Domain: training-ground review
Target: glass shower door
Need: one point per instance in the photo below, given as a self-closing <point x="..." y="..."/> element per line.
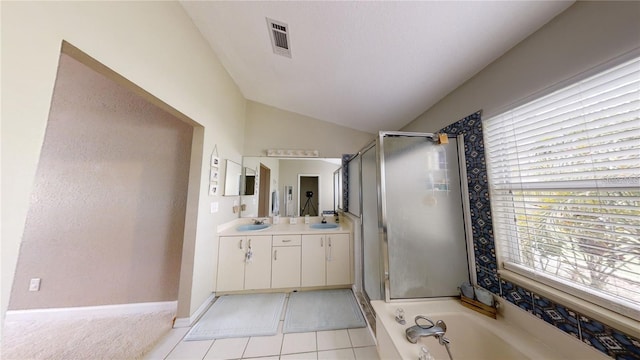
<point x="423" y="215"/>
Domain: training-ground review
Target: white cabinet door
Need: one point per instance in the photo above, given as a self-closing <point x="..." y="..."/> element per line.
<point x="285" y="266"/>
<point x="231" y="252"/>
<point x="313" y="260"/>
<point x="338" y="255"/>
<point x="257" y="271"/>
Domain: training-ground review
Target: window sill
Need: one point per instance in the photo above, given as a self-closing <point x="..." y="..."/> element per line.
<point x="596" y="312"/>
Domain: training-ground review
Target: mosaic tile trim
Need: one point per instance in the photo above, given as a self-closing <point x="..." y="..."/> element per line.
<point x="604" y="338"/>
<point x="557" y="315"/>
<point x="610" y="341"/>
<point x="481" y="224"/>
<point x="345" y="181"/>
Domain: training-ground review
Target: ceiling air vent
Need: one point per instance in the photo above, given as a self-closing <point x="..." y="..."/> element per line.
<point x="279" y="32"/>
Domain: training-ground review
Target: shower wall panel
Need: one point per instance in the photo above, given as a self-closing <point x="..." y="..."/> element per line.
<point x="424" y="218"/>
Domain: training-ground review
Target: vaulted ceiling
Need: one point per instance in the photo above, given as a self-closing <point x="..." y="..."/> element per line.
<point x="367" y="65"/>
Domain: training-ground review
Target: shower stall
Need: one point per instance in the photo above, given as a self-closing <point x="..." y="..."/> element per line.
<point x="407" y="190"/>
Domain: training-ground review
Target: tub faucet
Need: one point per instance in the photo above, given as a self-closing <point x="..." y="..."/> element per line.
<point x="417" y="331"/>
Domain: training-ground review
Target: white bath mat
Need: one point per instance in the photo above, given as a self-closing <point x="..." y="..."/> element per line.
<point x="322" y="310"/>
<point x="240" y="316"/>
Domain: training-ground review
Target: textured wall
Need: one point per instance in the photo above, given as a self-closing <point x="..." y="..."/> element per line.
<point x="152" y="44"/>
<point x="106" y="219"/>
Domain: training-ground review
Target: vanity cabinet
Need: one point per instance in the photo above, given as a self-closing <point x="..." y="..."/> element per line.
<point x="285" y="261"/>
<point x="325" y="260"/>
<point x="235" y="272"/>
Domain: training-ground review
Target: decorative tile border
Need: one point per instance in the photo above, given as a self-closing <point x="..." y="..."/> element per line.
<point x="481" y="224"/>
<point x="612" y="342"/>
<point x="345" y="180"/>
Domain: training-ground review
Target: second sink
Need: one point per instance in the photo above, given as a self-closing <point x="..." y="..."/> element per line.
<point x="253" y="227"/>
<point x="324" y="226"/>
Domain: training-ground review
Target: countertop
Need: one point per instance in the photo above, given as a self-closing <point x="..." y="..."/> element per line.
<point x="282" y="228"/>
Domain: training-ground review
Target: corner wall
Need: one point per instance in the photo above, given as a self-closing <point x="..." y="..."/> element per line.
<point x="152" y="44"/>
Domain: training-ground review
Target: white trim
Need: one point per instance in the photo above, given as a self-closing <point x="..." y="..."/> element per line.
<point x="90" y="311"/>
<point x="187" y="322"/>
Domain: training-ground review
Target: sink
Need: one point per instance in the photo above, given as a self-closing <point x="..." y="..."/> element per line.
<point x="324" y="226"/>
<point x="253" y="227"/>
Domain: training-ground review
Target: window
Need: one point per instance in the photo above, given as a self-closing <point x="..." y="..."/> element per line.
<point x="564" y="173"/>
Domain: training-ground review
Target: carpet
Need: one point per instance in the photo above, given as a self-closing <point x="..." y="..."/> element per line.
<point x="110" y="337"/>
<point x="322" y="310"/>
<point x="240" y="316"/>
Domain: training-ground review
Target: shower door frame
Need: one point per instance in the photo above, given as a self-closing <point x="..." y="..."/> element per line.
<point x="382" y="206"/>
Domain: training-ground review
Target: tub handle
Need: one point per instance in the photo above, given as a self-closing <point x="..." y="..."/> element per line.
<point x="424" y="326"/>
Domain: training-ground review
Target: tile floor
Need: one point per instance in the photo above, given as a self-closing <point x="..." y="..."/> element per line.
<point x="355" y="344"/>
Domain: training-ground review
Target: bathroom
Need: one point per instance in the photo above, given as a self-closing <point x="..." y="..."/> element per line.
<point x="239" y="127"/>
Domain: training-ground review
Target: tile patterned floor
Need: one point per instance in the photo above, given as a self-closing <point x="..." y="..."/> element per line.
<point x="357" y="344"/>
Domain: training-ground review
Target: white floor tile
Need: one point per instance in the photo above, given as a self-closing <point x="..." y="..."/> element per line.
<point x="265" y="358"/>
<point x="366" y="353"/>
<point x="299" y="343"/>
<point x="334" y="339"/>
<point x="190" y="350"/>
<point x="302" y="356"/>
<point x="342" y="354"/>
<point x="227" y="348"/>
<point x="361" y="337"/>
<point x="166" y="344"/>
<point x="263" y="346"/>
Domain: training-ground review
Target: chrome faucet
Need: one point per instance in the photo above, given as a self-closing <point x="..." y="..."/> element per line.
<point x="438" y="330"/>
<point x="258" y="221"/>
<point x="324" y="219"/>
<point x="417" y="331"/>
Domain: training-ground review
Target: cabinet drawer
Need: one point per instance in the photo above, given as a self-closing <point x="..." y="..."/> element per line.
<point x="287" y="240"/>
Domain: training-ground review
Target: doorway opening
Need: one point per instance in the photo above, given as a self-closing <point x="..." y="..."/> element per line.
<point x="263" y="194"/>
<point x="308" y="194"/>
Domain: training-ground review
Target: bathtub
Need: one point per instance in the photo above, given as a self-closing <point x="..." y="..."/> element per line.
<point x="472" y="335"/>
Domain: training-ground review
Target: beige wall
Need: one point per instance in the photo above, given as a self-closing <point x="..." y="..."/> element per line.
<point x="152" y="44"/>
<point x="106" y="219"/>
<point x="271" y="128"/>
<point x="582" y="37"/>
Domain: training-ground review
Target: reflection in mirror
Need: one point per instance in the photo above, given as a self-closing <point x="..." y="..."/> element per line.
<point x="249" y="178"/>
<point x="280" y="194"/>
<point x="232" y="178"/>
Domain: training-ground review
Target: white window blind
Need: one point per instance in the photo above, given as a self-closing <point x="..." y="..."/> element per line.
<point x="564" y="172"/>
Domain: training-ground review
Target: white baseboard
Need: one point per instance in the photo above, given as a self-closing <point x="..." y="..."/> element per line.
<point x="187" y="322"/>
<point x="90" y="311"/>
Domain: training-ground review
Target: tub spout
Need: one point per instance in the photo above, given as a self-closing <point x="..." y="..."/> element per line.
<point x="416" y="332"/>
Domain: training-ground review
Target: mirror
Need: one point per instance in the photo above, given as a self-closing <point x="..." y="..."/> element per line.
<point x="278" y="182"/>
<point x="232" y="178"/>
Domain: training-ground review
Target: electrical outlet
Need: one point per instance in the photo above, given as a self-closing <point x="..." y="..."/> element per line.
<point x="215" y="207"/>
<point x="34" y="284"/>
